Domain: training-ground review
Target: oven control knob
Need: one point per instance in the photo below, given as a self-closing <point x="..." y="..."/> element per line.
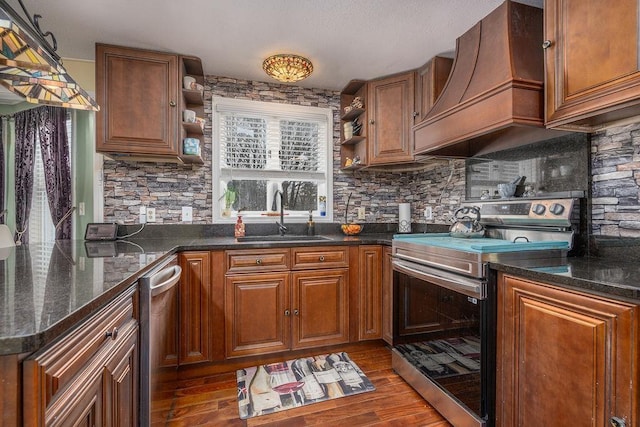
<point x="538" y="209"/>
<point x="556" y="209"/>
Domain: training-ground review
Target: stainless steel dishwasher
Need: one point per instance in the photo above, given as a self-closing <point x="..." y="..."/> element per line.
<point x="157" y="306"/>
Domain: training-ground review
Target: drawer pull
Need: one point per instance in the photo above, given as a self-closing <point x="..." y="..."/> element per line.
<point x="112" y="334"/>
<point x="321" y="258"/>
<point x="258" y="261"/>
<point x="287" y="313"/>
<point x="296" y="312"/>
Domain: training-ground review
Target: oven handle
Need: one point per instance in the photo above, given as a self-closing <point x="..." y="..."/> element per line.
<point x="466" y="286"/>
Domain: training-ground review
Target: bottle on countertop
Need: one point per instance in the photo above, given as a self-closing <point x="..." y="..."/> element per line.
<point x="239" y="229"/>
<point x="322" y="206"/>
<point x="311" y="226"/>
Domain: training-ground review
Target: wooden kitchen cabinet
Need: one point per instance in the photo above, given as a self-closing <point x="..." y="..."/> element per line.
<point x="282" y="299"/>
<point x="90" y="376"/>
<point x="354" y="146"/>
<point x="592" y="63"/>
<point x="370" y="287"/>
<point x="387" y="295"/>
<point x="195" y="296"/>
<point x="430" y="81"/>
<point x="141" y="101"/>
<point x="564" y="357"/>
<point x="390" y="112"/>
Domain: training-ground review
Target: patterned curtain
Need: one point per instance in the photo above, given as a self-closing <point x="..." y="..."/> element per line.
<point x="54" y="145"/>
<point x="26" y="123"/>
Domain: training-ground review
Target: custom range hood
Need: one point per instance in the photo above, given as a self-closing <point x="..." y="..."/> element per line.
<point x="30" y="67"/>
<point x="494" y="97"/>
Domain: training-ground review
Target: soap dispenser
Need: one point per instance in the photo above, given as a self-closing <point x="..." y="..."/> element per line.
<point x="239" y="229"/>
<point x="311" y="226"/>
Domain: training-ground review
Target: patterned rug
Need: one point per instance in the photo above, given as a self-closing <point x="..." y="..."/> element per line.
<point x="266" y="389"/>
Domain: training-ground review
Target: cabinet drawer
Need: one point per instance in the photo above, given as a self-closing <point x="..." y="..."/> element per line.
<point x="321" y="257"/>
<point x="251" y="260"/>
<point x="52" y="369"/>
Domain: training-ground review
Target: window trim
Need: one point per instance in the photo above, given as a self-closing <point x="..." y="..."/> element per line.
<point x="268" y="108"/>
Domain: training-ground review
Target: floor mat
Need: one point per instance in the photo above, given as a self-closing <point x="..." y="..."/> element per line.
<point x="265" y="389"/>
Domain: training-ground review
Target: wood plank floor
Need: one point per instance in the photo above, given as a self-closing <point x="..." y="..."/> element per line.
<point x="210" y="398"/>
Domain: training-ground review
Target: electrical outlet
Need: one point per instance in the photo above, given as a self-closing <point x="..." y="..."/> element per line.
<point x="143" y="214"/>
<point x="151" y="214"/>
<point x="428" y="214"/>
<point x="81" y="209"/>
<point x="187" y="214"/>
<point x="361" y="212"/>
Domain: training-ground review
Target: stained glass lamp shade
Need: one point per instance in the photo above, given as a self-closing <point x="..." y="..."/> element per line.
<point x="29" y="70"/>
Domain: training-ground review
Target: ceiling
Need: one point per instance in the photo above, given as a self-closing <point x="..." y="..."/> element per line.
<point x="345" y="39"/>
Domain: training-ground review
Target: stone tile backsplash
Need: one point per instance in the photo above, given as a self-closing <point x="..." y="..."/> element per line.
<point x="614" y="175"/>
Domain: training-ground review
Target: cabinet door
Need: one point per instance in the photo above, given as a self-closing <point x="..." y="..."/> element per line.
<point x="137" y="91"/>
<point x="257" y="313"/>
<point x="564" y="358"/>
<point x="195" y="308"/>
<point x="390" y="110"/>
<point x="591" y="63"/>
<point x="370" y="287"/>
<point x="431" y="79"/>
<point x="121" y="398"/>
<point x="387" y="296"/>
<point x="320" y="307"/>
<point x="87" y="409"/>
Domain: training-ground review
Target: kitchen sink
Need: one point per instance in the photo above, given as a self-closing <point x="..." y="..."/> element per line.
<point x="285" y="238"/>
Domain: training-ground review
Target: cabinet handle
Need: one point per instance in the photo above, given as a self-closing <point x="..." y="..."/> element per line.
<point x="296" y="312"/>
<point x="172" y="103"/>
<point x="617" y="422"/>
<point x="258" y="261"/>
<point x="546" y="44"/>
<point x="112" y="334"/>
<point x="321" y="258"/>
<point x="287" y="313"/>
<point x="371" y="121"/>
<point x="416" y="114"/>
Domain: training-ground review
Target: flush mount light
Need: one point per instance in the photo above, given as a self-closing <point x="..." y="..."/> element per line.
<point x="287" y="67"/>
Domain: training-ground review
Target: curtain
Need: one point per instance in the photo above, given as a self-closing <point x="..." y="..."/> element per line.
<point x="25" y="122"/>
<point x="54" y="145"/>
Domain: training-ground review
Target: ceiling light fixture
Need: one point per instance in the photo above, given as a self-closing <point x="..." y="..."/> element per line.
<point x="287" y="67"/>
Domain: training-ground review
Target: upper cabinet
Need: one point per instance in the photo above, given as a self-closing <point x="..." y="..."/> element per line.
<point x="142" y="98"/>
<point x="592" y="63"/>
<point x="390" y="113"/>
<point x="431" y="78"/>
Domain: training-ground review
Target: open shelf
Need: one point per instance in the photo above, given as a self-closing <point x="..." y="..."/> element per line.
<point x="353" y="140"/>
<point x="355" y="112"/>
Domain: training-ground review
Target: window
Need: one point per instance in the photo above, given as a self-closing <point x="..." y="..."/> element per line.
<point x="260" y="148"/>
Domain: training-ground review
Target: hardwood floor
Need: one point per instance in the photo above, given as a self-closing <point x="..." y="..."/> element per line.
<point x="208" y="397"/>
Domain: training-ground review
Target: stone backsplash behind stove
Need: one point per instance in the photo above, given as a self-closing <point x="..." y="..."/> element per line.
<point x="615" y="165"/>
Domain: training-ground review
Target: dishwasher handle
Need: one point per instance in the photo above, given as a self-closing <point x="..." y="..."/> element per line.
<point x="164" y="280"/>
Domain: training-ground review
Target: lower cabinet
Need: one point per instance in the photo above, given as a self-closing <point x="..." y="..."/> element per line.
<point x="194" y="295"/>
<point x="90" y="376"/>
<point x="276" y="300"/>
<point x="564" y="358"/>
<point x="387" y="295"/>
<point x="370" y="289"/>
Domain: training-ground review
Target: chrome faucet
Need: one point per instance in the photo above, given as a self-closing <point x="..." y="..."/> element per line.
<point x="281" y="228"/>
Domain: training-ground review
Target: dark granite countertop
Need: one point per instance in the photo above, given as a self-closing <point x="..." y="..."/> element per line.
<point x="36" y="308"/>
<point x="600" y="276"/>
<point x="38" y="305"/>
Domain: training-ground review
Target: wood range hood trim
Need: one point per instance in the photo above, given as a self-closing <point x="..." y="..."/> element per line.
<point x="494" y="97"/>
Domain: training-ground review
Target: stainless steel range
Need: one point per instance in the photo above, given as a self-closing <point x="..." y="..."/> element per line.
<point x="444" y="307"/>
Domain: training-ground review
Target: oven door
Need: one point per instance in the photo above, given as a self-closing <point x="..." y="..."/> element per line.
<point x="441" y="343"/>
